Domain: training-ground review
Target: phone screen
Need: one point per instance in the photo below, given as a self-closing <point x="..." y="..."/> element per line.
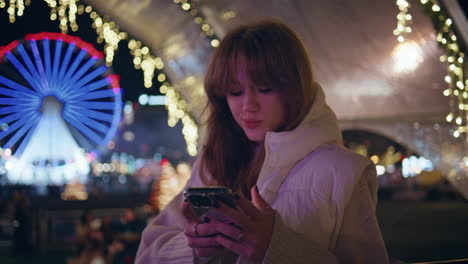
<point x="201" y="199"/>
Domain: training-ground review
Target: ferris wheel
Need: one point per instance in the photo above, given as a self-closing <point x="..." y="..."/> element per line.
<point x="58" y="104"/>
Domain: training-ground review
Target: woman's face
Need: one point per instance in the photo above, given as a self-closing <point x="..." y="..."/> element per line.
<point x="256" y="109"/>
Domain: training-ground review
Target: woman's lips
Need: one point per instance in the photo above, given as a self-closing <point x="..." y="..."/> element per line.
<point x="251" y="124"/>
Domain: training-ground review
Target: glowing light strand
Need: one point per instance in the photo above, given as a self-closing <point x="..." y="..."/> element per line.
<point x="198" y="17"/>
<point x="404" y="20"/>
<point x="150" y="64"/>
<point x="457" y="83"/>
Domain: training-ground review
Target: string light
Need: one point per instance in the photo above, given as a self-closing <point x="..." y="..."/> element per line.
<point x="198" y="17"/>
<point x="109" y="32"/>
<point x="457" y="89"/>
<point x="66" y="11"/>
<point x="404" y="20"/>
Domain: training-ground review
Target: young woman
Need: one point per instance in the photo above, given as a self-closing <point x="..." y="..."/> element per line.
<point x="302" y="197"/>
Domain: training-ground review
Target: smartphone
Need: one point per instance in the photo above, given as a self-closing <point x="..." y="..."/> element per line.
<point x="201" y="199"/>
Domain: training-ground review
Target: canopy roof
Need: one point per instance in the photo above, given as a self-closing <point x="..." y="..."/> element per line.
<point x="351" y="45"/>
<point x="355" y="58"/>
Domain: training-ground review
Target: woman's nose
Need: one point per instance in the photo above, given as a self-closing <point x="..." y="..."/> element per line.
<point x="251" y="101"/>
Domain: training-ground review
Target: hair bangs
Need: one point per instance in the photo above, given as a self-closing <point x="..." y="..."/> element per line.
<point x="267" y="64"/>
<point x="223" y="68"/>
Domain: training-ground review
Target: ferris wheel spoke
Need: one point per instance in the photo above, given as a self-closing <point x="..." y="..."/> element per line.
<point x="55" y="67"/>
<point x="92" y="123"/>
<point x="26" y="140"/>
<point x="79" y="58"/>
<point x="39" y="64"/>
<point x="31" y="122"/>
<point x="17" y="108"/>
<point x="46" y="54"/>
<point x="83" y="128"/>
<point x="70" y="83"/>
<point x="15" y="126"/>
<point x="88" y="88"/>
<point x="11" y="117"/>
<point x="95" y="95"/>
<point x="32" y="81"/>
<point x="91" y="113"/>
<point x="74" y="65"/>
<point x="13" y="85"/>
<point x="16" y="101"/>
<point x="13" y="93"/>
<point x="66" y="61"/>
<point x="30" y="66"/>
<point x="89" y="77"/>
<point x="96" y="105"/>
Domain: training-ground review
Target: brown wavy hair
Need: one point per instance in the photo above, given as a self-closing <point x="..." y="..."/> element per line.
<point x="274" y="57"/>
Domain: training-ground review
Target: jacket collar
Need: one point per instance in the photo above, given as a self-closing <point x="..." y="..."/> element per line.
<point x="285" y="149"/>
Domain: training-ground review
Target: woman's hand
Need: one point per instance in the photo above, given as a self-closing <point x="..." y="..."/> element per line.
<point x="201" y="237"/>
<point x="251" y="229"/>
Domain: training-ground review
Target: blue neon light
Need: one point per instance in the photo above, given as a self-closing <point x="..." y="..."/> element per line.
<point x="59" y="69"/>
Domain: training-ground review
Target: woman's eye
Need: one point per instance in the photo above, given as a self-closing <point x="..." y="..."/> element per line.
<point x="265" y="90"/>
<point x="235" y="93"/>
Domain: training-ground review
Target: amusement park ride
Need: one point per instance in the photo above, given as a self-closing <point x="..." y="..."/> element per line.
<point x="59" y="105"/>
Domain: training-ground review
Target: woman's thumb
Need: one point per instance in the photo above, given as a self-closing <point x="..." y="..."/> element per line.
<point x="258" y="201"/>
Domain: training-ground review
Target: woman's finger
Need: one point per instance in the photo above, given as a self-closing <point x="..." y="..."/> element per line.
<point x="247" y="206"/>
<point x="187" y="212"/>
<point x="203" y="242"/>
<point x="223" y="213"/>
<point x="208" y="252"/>
<point x="198" y="229"/>
<point x="238" y="247"/>
<point x="227" y="230"/>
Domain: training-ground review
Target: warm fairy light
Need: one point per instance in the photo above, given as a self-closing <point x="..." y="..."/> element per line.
<point x="189" y="7"/>
<point x="163" y="89"/>
<point x="404" y="20"/>
<point x="161" y="77"/>
<point x="11" y="11"/>
<point x="177" y="109"/>
<point x="148" y="66"/>
<point x="215" y="43"/>
<point x="457" y="83"/>
<point x="159" y="63"/>
<point x="229" y="15"/>
<point x="449" y="117"/>
<point x="186" y="6"/>
<point x="65" y="11"/>
<point x="407" y="56"/>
